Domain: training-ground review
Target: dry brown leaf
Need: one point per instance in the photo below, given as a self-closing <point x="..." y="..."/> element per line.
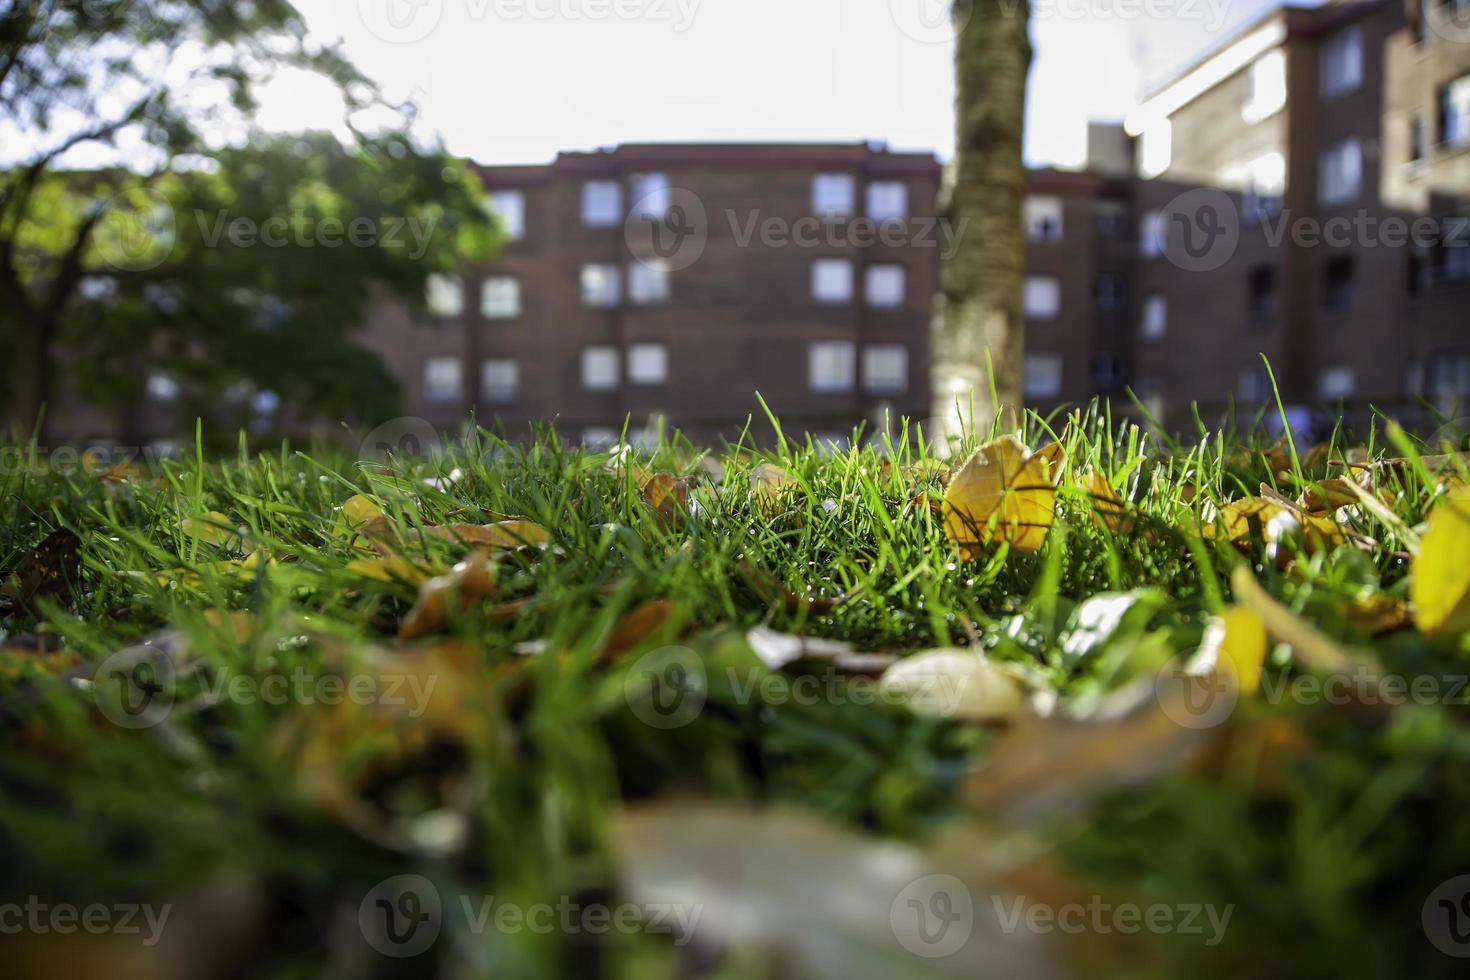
<point x="1003" y="493"/>
<point x="48" y="571"/>
<point x="1108" y="509"/>
<point x="667" y="496"/>
<point x="638" y="624"/>
<point x="772" y="488"/>
<point x="470" y="581"/>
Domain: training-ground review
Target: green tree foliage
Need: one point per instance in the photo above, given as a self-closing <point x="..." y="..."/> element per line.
<point x="234" y="260"/>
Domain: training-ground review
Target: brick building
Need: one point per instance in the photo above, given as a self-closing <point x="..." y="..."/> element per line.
<point x="670" y="283"/>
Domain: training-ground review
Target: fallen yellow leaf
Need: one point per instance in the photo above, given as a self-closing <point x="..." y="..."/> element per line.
<point x="1002" y="493"/>
<point x="1439" y="584"/>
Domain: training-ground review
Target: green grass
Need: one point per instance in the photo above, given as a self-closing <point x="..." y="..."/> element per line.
<point x="1327" y="866"/>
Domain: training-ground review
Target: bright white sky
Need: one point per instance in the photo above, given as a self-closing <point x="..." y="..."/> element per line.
<point x="514" y="81"/>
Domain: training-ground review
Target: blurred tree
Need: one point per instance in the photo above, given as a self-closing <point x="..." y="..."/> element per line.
<point x="982" y="282"/>
<point x="147" y="225"/>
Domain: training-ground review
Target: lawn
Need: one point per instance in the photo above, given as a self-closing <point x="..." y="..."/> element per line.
<point x="522" y="710"/>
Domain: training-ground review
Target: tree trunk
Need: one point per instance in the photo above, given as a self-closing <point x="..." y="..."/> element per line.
<point x="30" y="377"/>
<point x="982" y="281"/>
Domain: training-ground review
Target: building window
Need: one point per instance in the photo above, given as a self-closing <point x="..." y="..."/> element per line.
<point x="500" y="298"/>
<point x="648" y="364"/>
<point x="1111" y="218"/>
<point x="1266" y="95"/>
<point x="1262" y="182"/>
<point x="885" y="369"/>
<point x="831" y="366"/>
<point x="832" y="281"/>
<point x="1109" y="292"/>
<point x="1337" y="383"/>
<point x="1254" y="385"/>
<point x="1107" y="371"/>
<point x="1156" y="148"/>
<point x="508" y="208"/>
<point x="1155" y="321"/>
<point x="1454" y="112"/>
<point x="1262" y="303"/>
<point x="884" y="286"/>
<point x="1151" y="233"/>
<point x="444" y="295"/>
<point x="648" y="281"/>
<point x="651" y="195"/>
<point x="499" y="380"/>
<point x="1341" y="66"/>
<point x="1337" y="285"/>
<point x="1341" y="178"/>
<point x="888" y="200"/>
<point x="598" y="437"/>
<point x="1042" y="298"/>
<point x="1151" y="394"/>
<point x="443" y="381"/>
<point x="162" y="388"/>
<point x="1418" y="139"/>
<point x="1448" y="381"/>
<point x="1043" y="219"/>
<point x="600" y="368"/>
<point x="1043" y="377"/>
<point x="602" y="203"/>
<point x="834" y="195"/>
<point x="601" y="285"/>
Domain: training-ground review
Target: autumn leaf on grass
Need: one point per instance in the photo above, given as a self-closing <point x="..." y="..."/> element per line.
<point x="211" y="527"/>
<point x="1238" y="642"/>
<point x="1439" y="583"/>
<point x="772" y="488"/>
<point x="48" y="571"/>
<point x="1002" y="493"/>
<point x="638" y="624"/>
<point x="393" y="569"/>
<point x="469" y="582"/>
<point x="960" y="685"/>
<point x="1108" y="509"/>
<point x="666" y="496"/>
<point x="1283" y="530"/>
<point x="502" y="535"/>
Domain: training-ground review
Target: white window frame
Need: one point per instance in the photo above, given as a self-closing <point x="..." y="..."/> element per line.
<point x="1043" y="214"/>
<point x="885" y="286"/>
<point x="1156" y="148"/>
<point x="885" y="369"/>
<point x="648" y="364"/>
<point x="509" y="208"/>
<point x="1154" y="323"/>
<point x="1042" y="377"/>
<point x="1340" y="175"/>
<point x="440" y="389"/>
<point x="500" y="380"/>
<point x="602" y="204"/>
<point x="444" y="295"/>
<point x="1454" y="108"/>
<point x="602" y="285"/>
<point x="832" y="281"/>
<point x="500" y="298"/>
<point x="1041" y="298"/>
<point x="1340" y="68"/>
<point x="834" y="195"/>
<point x="648" y="282"/>
<point x="1153" y="232"/>
<point x="832" y="366"/>
<point x="1337" y="382"/>
<point x="888" y="200"/>
<point x="650" y="195"/>
<point x="600" y="368"/>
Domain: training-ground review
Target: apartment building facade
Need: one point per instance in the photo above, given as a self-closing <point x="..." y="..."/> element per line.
<point x="1301" y="193"/>
<point x="667" y="285"/>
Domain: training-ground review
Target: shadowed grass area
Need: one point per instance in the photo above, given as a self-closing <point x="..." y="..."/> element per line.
<point x="267" y="789"/>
